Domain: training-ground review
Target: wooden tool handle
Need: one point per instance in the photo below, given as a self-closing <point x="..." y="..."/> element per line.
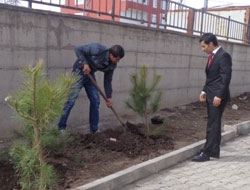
<point x="103" y="95"/>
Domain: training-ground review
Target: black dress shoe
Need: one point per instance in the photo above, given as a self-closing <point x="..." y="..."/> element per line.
<point x="202" y="157"/>
<point x="215" y="155"/>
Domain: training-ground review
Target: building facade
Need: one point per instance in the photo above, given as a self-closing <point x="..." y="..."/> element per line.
<point x="142" y="12"/>
<point x="226" y="22"/>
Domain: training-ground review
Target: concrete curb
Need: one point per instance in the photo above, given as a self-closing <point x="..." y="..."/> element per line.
<point x="145" y="169"/>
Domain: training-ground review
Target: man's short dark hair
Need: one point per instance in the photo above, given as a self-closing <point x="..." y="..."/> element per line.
<point x="117" y="51"/>
<point x="209" y="37"/>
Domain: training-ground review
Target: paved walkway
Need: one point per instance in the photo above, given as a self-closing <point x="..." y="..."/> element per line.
<point x="231" y="171"/>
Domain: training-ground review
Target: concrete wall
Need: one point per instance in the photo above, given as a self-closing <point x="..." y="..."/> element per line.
<point x="27" y="35"/>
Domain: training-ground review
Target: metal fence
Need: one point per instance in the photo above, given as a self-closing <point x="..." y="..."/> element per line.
<point x="162" y="14"/>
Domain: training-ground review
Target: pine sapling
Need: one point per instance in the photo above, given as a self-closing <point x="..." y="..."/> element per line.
<point x="144" y="98"/>
<point x="37" y="103"/>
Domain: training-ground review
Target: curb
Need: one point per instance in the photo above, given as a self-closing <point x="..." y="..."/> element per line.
<point x="150" y="167"/>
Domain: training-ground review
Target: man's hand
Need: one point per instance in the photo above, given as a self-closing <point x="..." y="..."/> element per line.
<point x="109" y="102"/>
<point x="203" y="97"/>
<point x="86" y="69"/>
<point x="216" y="101"/>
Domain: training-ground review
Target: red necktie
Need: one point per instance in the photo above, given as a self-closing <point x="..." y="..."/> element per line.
<point x="210" y="58"/>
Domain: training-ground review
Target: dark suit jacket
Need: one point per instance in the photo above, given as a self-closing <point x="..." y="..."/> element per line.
<point x="218" y="76"/>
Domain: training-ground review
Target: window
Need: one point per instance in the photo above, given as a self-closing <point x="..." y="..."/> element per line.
<point x="163" y="4"/>
<point x="155" y="3"/>
<point x="79" y="2"/>
<point x="145" y="2"/>
<point x="153" y="18"/>
<point x="163" y="19"/>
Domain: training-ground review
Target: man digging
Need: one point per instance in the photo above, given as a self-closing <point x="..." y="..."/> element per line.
<point x="91" y="58"/>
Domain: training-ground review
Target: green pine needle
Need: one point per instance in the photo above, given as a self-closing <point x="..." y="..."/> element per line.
<point x="143" y="96"/>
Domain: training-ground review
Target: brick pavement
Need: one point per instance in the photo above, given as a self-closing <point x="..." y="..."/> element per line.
<point x="230" y="172"/>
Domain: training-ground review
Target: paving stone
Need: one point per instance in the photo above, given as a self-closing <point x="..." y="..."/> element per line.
<point x="230" y="172"/>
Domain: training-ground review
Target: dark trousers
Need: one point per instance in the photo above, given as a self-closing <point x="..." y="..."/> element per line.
<point x="213" y="134"/>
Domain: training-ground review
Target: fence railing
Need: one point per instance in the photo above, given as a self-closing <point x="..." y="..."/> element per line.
<point x="162" y="14"/>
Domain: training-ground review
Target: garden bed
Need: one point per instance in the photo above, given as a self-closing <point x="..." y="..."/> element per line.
<point x="90" y="157"/>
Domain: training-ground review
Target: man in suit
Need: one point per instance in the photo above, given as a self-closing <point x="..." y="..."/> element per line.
<point x="215" y="93"/>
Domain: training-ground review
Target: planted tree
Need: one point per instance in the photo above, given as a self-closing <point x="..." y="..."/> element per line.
<point x="144" y="99"/>
<point x="37" y="103"/>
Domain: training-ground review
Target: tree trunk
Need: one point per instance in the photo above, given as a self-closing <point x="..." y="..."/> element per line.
<point x="146" y="123"/>
<point x="37" y="140"/>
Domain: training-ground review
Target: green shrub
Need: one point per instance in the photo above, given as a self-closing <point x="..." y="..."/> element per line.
<point x="38" y="102"/>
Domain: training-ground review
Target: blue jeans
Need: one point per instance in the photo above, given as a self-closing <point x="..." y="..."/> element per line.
<point x="93" y="96"/>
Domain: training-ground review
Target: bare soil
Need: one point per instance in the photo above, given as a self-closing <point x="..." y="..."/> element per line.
<point x="90" y="157"/>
